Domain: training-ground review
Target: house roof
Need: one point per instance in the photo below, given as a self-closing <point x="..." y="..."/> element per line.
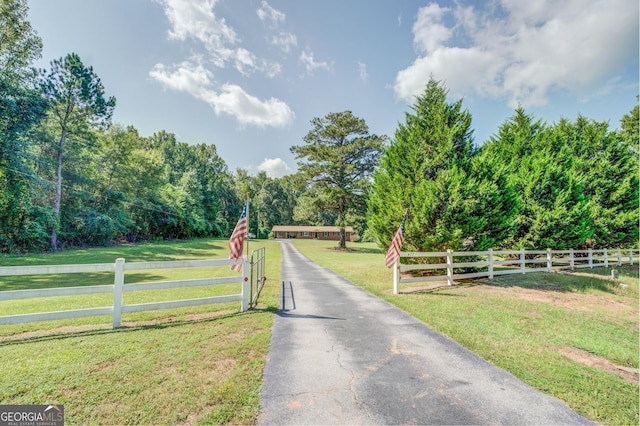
<point x="292" y="228"/>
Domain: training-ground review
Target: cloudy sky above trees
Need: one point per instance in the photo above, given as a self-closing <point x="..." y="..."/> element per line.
<point x="248" y="76"/>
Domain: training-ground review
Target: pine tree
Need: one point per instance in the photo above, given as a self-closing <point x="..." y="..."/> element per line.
<point x="336" y="162"/>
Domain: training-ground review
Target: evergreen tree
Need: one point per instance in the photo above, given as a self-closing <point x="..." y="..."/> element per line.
<point x="606" y="162"/>
<point x="337" y="161"/>
<point x="77" y="103"/>
<point x="428" y="170"/>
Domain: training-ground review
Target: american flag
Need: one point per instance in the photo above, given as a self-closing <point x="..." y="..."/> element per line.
<point x="236" y="242"/>
<point x="393" y="252"/>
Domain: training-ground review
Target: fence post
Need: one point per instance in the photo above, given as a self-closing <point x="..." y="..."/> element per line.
<point x="251" y="281"/>
<point x="619" y="257"/>
<point x="450" y="267"/>
<point x="572" y="263"/>
<point x="590" y="257"/>
<point x="246" y="293"/>
<point x="631" y="256"/>
<point x="490" y="259"/>
<point x="118" y="290"/>
<point x="549" y="261"/>
<point x="522" y="262"/>
<point x="396" y="276"/>
<point x="606" y="259"/>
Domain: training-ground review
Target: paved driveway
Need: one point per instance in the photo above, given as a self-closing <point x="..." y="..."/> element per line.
<point x="340" y="355"/>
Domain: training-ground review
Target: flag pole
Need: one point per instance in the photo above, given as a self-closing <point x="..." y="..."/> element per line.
<point x="248" y="227"/>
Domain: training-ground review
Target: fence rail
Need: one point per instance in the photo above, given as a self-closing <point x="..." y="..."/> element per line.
<point x="502" y="262"/>
<point x="119" y="288"/>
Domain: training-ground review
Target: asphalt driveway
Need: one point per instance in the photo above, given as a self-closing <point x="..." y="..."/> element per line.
<point x="340" y="355"/>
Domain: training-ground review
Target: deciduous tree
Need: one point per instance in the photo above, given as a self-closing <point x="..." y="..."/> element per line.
<point x="21" y="108"/>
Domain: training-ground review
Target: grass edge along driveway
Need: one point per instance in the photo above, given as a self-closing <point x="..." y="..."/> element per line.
<point x="198" y="365"/>
<point x="525" y="324"/>
<point x="204" y="365"/>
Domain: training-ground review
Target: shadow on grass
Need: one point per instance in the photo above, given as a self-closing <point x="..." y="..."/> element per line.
<point x="564" y="281"/>
<point x="137" y="252"/>
<point x="85" y="279"/>
<point x="441" y="290"/>
<point x="351" y="249"/>
<point x="561" y="281"/>
<point x="102" y="329"/>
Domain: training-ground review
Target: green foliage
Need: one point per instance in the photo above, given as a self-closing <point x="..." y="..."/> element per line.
<point x="76" y="104"/>
<point x="576" y="183"/>
<point x="64" y="170"/>
<point x="19" y="44"/>
<point x="453" y="199"/>
<point x="338" y="158"/>
<point x="21" y="109"/>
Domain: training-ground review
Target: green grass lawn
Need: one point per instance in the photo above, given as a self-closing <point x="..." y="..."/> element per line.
<point x="525" y="324"/>
<point x="204" y="364"/>
<point x="189" y="365"/>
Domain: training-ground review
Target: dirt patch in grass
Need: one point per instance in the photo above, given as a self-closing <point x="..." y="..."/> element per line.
<point x="549" y="294"/>
<point x="567" y="300"/>
<point x="595" y="361"/>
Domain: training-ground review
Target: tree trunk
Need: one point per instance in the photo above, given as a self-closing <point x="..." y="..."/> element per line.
<point x="56" y="207"/>
<point x="343" y="239"/>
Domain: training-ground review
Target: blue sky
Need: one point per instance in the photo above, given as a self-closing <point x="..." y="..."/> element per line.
<point x="248" y="76"/>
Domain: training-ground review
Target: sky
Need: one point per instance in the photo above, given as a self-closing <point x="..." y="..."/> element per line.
<point x="249" y="76"/>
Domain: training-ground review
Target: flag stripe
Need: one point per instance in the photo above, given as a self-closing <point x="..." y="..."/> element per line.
<point x="393" y="252"/>
<point x="236" y="241"/>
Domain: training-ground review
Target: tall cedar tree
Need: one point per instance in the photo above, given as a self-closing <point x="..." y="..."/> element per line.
<point x="77" y="102"/>
<point x="607" y="163"/>
<point x="577" y="183"/>
<point x="337" y="161"/>
<point x="429" y="171"/>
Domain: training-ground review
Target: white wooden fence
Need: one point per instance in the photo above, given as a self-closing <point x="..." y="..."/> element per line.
<point x="504" y="262"/>
<point x="118" y="288"/>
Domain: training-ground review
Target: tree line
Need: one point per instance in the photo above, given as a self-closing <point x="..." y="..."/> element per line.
<point x="573" y="184"/>
<point x="71" y="177"/>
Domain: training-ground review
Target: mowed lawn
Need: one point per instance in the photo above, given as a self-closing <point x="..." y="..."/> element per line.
<point x="574" y="336"/>
<point x="189" y="365"/>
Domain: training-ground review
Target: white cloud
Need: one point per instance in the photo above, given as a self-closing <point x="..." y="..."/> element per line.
<point x="195" y="19"/>
<point x="248" y="109"/>
<point x="184" y="77"/>
<point x="284" y="41"/>
<point x="232" y="99"/>
<point x="275" y="167"/>
<point x="306" y="57"/>
<point x="521" y="50"/>
<point x="428" y="32"/>
<point x="243" y="60"/>
<point x="362" y="69"/>
<point x="271" y="69"/>
<point x="268" y="14"/>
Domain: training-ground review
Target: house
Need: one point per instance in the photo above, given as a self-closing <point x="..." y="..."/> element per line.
<point x="313" y="232"/>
